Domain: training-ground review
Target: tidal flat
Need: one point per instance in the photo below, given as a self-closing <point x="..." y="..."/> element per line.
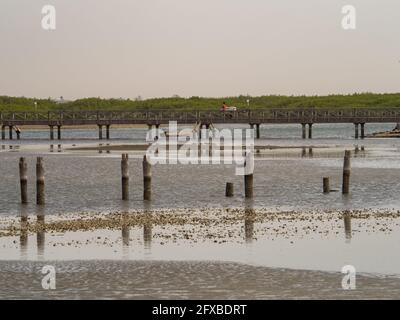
<point x="290" y="233"/>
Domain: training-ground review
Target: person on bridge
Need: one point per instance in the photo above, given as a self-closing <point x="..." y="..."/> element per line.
<point x="224" y="106"/>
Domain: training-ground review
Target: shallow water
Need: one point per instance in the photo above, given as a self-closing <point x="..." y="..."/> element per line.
<point x="182" y="280"/>
<point x="287" y="179"/>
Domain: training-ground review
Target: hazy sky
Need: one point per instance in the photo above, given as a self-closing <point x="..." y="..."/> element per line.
<point x="154" y="48"/>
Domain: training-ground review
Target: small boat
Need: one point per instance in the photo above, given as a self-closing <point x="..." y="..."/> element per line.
<point x="395" y="133"/>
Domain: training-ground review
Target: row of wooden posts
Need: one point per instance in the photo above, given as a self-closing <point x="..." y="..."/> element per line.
<point x="147" y="176"/>
<point x="40" y="179"/>
<point x="248" y="180"/>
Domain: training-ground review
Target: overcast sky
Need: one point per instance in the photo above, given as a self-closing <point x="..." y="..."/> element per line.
<point x="156" y="48"/>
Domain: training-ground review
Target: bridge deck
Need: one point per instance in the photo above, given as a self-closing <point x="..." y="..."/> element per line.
<point x="268" y="116"/>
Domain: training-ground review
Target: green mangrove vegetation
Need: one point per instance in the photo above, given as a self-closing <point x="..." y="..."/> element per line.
<point x="361" y="100"/>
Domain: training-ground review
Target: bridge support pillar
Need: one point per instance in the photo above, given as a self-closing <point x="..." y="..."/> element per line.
<point x="10" y="132"/>
<point x="200" y="131"/>
<point x="59" y="132"/>
<point x="310" y="131"/>
<point x="356" y="130"/>
<point x="362" y="130"/>
<point x="51" y="132"/>
<point x="100" y="131"/>
<point x="158" y="131"/>
<point x="258" y="135"/>
<point x="252" y="128"/>
<point x="303" y="131"/>
<point x="108" y="132"/>
<point x="3" y="132"/>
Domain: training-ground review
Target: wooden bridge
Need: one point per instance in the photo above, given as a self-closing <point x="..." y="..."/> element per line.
<point x="359" y="117"/>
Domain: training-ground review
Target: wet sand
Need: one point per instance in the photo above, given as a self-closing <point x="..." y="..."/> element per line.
<point x="313" y="240"/>
<point x="183" y="280"/>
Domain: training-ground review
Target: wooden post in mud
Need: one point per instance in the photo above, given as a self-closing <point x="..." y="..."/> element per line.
<point x="40" y="196"/>
<point x="346" y="172"/>
<point x="146" y="179"/>
<point x="248" y="175"/>
<point x="23" y="178"/>
<point x="229" y="189"/>
<point x="326" y="186"/>
<point x="125" y="176"/>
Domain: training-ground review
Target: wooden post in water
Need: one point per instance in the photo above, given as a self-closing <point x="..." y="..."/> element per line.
<point x="146" y="179"/>
<point x="229" y="189"/>
<point x="248" y="176"/>
<point x="23" y="178"/>
<point x="346" y="172"/>
<point x="326" y="186"/>
<point x="40" y="196"/>
<point x="3" y="132"/>
<point x="10" y="132"/>
<point x="125" y="176"/>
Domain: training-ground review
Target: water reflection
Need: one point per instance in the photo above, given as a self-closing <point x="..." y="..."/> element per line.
<point x="40" y="232"/>
<point x="347" y="226"/>
<point x="23" y="236"/>
<point x="304" y="153"/>
<point x="249" y="217"/>
<point x="125" y="230"/>
<point x="147" y="227"/>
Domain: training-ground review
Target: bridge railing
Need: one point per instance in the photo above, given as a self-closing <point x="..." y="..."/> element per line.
<point x="266" y="115"/>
